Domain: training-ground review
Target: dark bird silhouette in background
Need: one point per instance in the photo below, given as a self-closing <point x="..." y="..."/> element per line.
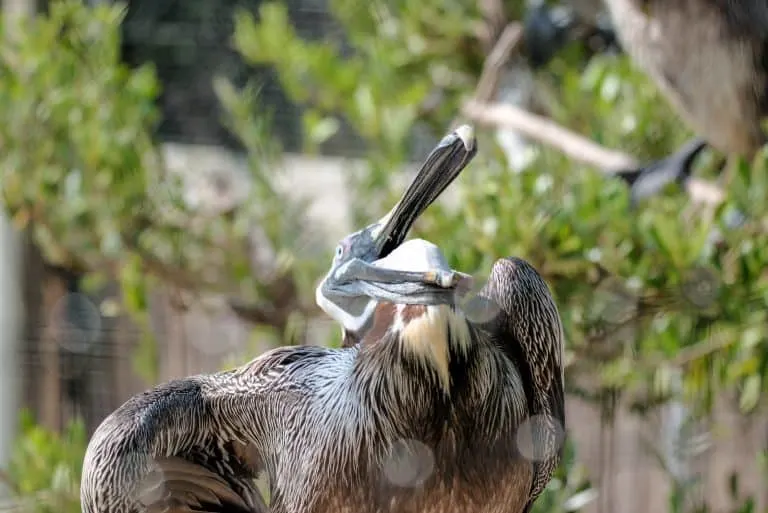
<point x="547" y="29"/>
<point x="429" y="409"/>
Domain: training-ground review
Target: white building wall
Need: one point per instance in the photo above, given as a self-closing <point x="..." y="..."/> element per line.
<point x="10" y="291"/>
<point x="10" y="331"/>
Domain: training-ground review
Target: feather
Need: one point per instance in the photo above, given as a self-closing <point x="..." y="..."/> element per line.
<point x="177" y="481"/>
<point x="325" y="424"/>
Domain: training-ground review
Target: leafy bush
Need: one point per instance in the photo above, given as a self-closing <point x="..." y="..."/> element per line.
<point x="679" y="282"/>
<point x="78" y="127"/>
<point x="644" y="293"/>
<point x="45" y="468"/>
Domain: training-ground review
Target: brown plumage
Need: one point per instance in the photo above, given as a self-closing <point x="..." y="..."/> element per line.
<point x="425" y="411"/>
<point x="176" y="485"/>
<point x="373" y="428"/>
<point x="709" y="58"/>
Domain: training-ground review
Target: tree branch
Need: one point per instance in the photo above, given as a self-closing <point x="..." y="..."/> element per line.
<point x="689" y="354"/>
<point x="281" y="289"/>
<point x="494" y="19"/>
<point x="573" y="145"/>
<point x="488" y="82"/>
<point x="547" y="132"/>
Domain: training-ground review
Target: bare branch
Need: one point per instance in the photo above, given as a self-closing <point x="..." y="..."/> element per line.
<point x="547" y="132"/>
<point x="696" y="352"/>
<point x="494" y="19"/>
<point x="575" y="146"/>
<point x="488" y="82"/>
<point x="705" y="192"/>
<point x="281" y="289"/>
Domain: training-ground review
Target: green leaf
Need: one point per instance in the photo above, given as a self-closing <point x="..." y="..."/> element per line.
<point x="750" y="393"/>
<point x="319" y="129"/>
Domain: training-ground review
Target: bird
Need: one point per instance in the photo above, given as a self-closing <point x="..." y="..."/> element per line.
<point x="427" y="408"/>
<point x="548" y="29"/>
<point x="709" y="59"/>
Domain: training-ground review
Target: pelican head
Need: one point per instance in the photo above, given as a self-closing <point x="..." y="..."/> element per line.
<point x="374" y="264"/>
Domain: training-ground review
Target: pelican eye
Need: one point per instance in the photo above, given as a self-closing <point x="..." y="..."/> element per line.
<point x="339" y="251"/>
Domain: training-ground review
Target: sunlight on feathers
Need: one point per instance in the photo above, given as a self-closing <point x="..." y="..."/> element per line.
<point x="424" y="332"/>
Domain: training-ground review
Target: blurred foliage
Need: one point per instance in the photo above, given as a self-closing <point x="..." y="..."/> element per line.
<point x="570" y="489"/>
<point x="81" y="172"/>
<point x="43" y="474"/>
<point x="648" y="294"/>
<point x="638" y="289"/>
<point x="404" y="53"/>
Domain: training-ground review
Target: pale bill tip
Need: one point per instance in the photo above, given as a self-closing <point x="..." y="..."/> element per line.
<point x="467" y="135"/>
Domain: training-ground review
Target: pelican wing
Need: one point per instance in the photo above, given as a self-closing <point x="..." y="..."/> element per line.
<point x="529" y="332"/>
<point x="194" y="444"/>
<point x="176" y="485"/>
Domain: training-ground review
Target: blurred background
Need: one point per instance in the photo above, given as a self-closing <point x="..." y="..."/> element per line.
<point x="175" y="175"/>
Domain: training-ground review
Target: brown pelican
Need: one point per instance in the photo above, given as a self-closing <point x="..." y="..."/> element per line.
<point x="426" y="411"/>
<point x="709" y="58"/>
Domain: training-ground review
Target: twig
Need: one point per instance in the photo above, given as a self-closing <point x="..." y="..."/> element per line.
<point x="488" y="82"/>
<point x="684" y="356"/>
<point x="494" y="19"/>
<point x="695" y="352"/>
<point x="575" y="146"/>
<point x="281" y="290"/>
<point x="548" y="132"/>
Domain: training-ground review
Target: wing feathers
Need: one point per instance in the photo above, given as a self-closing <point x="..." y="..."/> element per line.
<point x="177" y="486"/>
